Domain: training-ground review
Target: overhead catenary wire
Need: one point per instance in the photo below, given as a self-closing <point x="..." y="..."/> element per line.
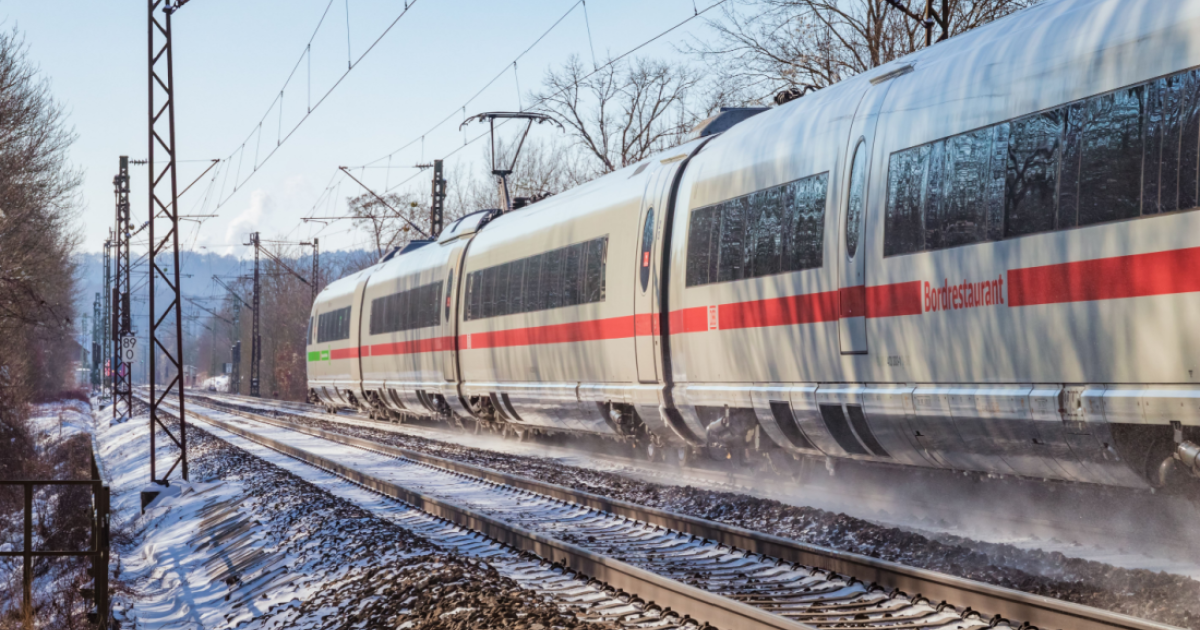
<point x="352" y="63"/>
<point x="596" y="69"/>
<point x="481" y="90"/>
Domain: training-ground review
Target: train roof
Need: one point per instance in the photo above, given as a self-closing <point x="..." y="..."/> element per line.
<point x="1034" y="59"/>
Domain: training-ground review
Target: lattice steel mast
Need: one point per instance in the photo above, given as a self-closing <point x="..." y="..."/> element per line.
<point x="106" y="357"/>
<point x="164" y="238"/>
<point x="122" y="331"/>
<point x="255" y="340"/>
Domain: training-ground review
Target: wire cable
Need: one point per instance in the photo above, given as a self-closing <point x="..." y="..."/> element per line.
<point x="283" y="138"/>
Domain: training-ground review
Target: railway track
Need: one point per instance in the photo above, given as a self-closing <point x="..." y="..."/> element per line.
<point x="743" y="572"/>
<point x="1127" y="528"/>
<point x="589" y="599"/>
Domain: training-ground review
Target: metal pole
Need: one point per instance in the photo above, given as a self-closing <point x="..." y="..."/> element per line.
<point x="164" y="209"/>
<point x="255" y="341"/>
<point x="101" y="583"/>
<point x="106" y="327"/>
<point x="316" y="272"/>
<point x="122" y="373"/>
<point x="27" y="605"/>
<point x="437" y="209"/>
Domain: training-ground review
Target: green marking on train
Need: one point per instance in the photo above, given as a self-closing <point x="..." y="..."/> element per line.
<point x="318" y="355"/>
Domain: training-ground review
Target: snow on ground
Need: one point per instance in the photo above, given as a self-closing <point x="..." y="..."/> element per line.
<point x="216" y="383"/>
<point x="55" y="422"/>
<point x="54" y="588"/>
<point x="247" y="544"/>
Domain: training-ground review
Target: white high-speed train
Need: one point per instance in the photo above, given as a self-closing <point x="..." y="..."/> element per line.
<point x="984" y="256"/>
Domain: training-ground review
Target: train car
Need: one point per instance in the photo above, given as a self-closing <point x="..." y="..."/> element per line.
<point x="980" y="257"/>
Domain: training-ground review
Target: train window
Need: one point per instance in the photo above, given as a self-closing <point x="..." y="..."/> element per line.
<point x="808" y="197"/>
<point x="997" y="179"/>
<point x="571" y="275"/>
<point x="516" y="282"/>
<point x="567" y="276"/>
<point x="701" y="230"/>
<point x="1128" y="153"/>
<point x="552" y="272"/>
<point x="854" y="209"/>
<point x="503" y="272"/>
<point x="934" y="193"/>
<point x="334" y="325"/>
<point x="904" y="223"/>
<point x="963" y="218"/>
<point x="643" y="261"/>
<point x="529" y="288"/>
<point x="406" y="310"/>
<point x="1110" y="170"/>
<point x="766" y="233"/>
<point x="449" y="289"/>
<point x="1030" y="204"/>
<point x="776" y="230"/>
<point x="733" y="240"/>
<point x="593" y="285"/>
<point x="474" y="295"/>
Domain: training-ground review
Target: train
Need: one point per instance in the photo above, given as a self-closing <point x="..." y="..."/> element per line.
<point x="981" y="257"/>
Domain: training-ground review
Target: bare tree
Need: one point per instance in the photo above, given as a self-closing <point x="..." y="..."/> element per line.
<point x="763" y="46"/>
<point x="382" y="221"/>
<point x="622" y="112"/>
<point x="38" y="237"/>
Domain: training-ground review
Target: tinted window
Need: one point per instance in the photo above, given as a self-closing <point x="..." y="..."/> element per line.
<point x="807" y="197"/>
<point x="474" y="295"/>
<point x="406" y="310"/>
<point x="1110" y="169"/>
<point x="733" y="240"/>
<point x="334" y="325"/>
<point x="516" y="279"/>
<point x="963" y="218"/>
<point x="571" y="276"/>
<point x="767" y="244"/>
<point x="530" y="295"/>
<point x="702" y="228"/>
<point x="779" y="229"/>
<point x="593" y="286"/>
<point x="552" y="277"/>
<point x="489" y="291"/>
<point x="566" y="276"/>
<point x="904" y="224"/>
<point x="1030" y="203"/>
<point x="502" y="274"/>
<point x="858" y="191"/>
<point x="1125" y="154"/>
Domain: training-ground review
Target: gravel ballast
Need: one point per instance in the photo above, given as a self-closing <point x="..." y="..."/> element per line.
<point x="357" y="570"/>
<point x="1162" y="597"/>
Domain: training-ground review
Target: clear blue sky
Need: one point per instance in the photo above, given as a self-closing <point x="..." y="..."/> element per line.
<point x="231" y="58"/>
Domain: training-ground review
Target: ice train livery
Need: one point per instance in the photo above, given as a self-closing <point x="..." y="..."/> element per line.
<point x="984" y="256"/>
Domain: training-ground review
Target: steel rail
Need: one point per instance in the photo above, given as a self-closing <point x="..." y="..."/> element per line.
<point x="1017" y="606"/>
<point x="689" y="602"/>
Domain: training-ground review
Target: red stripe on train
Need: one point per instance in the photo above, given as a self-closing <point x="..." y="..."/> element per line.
<point x="343" y="353"/>
<point x="894" y="300"/>
<point x="1160" y="273"/>
<point x="797" y="309"/>
<point x="593" y="330"/>
<point x="435" y="344"/>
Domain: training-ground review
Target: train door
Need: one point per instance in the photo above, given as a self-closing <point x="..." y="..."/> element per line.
<point x="356" y="337"/>
<point x="449" y="314"/>
<point x="852" y="294"/>
<point x="646" y="302"/>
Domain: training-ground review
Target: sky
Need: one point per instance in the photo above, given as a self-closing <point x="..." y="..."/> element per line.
<point x="231" y="59"/>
